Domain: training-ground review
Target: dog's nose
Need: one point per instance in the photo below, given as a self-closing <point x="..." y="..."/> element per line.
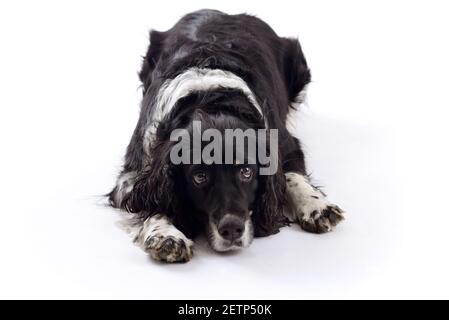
<point x="231" y="228"/>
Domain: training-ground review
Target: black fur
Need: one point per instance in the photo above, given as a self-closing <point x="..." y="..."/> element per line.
<point x="275" y="70"/>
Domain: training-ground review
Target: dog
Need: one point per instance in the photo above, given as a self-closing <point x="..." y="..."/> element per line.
<point x="221" y="72"/>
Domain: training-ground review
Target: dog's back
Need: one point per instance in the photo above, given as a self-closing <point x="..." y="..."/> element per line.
<point x="242" y="44"/>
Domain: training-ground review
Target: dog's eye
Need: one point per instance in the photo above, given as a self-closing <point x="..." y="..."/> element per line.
<point x="199" y="178"/>
<point x="246" y="173"/>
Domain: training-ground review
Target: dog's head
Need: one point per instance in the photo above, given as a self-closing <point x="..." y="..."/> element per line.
<point x="218" y="188"/>
<point x="224" y="196"/>
<point x="222" y="193"/>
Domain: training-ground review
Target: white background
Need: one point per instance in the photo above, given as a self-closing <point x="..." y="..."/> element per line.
<point x="374" y="132"/>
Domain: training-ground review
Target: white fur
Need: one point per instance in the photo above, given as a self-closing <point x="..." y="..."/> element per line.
<point x="305" y="198"/>
<point x="158" y="226"/>
<point x="194" y="79"/>
<point x="125" y="184"/>
<point x="221" y="245"/>
<point x="292" y="114"/>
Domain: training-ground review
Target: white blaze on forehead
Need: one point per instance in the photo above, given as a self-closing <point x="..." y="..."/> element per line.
<point x="192" y="80"/>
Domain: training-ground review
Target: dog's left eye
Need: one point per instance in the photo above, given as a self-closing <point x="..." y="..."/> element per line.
<point x="246" y="173"/>
<point x="199" y="178"/>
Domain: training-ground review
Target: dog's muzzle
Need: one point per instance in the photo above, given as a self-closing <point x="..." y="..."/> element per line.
<point x="231" y="228"/>
<point x="232" y="232"/>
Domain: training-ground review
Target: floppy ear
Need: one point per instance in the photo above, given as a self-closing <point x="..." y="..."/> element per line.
<point x="158" y="190"/>
<point x="267" y="214"/>
<point x="152" y="57"/>
<point x="152" y="186"/>
<point x="153" y="190"/>
<point x="296" y="72"/>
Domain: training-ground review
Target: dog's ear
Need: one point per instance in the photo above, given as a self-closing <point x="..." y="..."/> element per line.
<point x="267" y="214"/>
<point x="153" y="190"/>
<point x="296" y="72"/>
<point x="151" y="58"/>
<point x="158" y="190"/>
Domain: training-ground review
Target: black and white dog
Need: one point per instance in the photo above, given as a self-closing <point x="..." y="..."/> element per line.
<point x="225" y="72"/>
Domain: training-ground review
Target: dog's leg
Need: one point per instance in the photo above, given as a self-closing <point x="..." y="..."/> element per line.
<point x="309" y="206"/>
<point x="158" y="237"/>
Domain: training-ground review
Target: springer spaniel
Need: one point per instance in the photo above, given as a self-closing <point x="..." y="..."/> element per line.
<point x="210" y="74"/>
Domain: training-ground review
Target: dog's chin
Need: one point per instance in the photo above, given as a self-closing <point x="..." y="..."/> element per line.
<point x="222" y="245"/>
<point x="219" y="244"/>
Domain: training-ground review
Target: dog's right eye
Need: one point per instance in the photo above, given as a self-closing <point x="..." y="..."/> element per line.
<point x="199" y="178"/>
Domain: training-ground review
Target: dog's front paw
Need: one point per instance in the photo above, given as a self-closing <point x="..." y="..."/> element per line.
<point x="169" y="248"/>
<point x="309" y="205"/>
<point x="322" y="220"/>
<point x="158" y="237"/>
